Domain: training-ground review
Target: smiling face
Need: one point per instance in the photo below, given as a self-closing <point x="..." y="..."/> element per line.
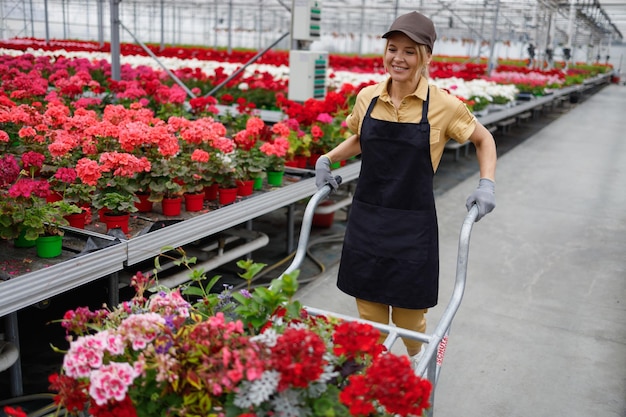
<point x="405" y="60"/>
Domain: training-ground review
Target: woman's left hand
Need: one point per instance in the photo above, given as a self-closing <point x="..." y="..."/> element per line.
<point x="484" y="197"/>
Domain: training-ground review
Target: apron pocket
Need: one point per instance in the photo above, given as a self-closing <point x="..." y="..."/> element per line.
<point x="392" y="233"/>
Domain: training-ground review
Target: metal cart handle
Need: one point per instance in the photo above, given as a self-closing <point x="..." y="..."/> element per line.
<point x="443" y="327"/>
<point x="307" y="221"/>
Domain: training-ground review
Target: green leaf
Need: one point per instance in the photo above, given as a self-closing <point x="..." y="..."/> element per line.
<point x="191" y="290"/>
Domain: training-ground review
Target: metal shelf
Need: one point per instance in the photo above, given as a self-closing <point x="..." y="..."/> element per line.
<point x="33" y="287"/>
<point x="149" y="245"/>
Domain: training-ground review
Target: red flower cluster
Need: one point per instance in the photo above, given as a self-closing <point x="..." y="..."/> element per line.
<point x="404" y="394"/>
<point x="123" y="408"/>
<point x="70" y="391"/>
<point x="307" y="112"/>
<point x="298" y="356"/>
<point x="14" y="412"/>
<point x="356" y="339"/>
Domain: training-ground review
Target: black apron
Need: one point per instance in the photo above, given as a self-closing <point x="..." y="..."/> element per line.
<point x="391" y="251"/>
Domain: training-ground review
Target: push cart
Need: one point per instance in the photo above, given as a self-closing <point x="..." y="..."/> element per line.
<point x="430" y="365"/>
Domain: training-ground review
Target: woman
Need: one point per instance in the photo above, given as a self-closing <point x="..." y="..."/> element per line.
<point x="390" y="257"/>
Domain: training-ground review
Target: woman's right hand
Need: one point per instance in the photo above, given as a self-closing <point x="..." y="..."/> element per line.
<point x="323" y="174"/>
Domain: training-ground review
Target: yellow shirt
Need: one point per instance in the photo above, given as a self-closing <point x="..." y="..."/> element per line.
<point x="448" y="116"/>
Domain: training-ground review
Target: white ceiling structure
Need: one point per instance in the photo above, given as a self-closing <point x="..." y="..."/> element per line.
<point x="346" y="24"/>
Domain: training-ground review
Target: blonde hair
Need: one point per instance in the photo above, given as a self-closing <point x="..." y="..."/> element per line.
<point x="424" y="54"/>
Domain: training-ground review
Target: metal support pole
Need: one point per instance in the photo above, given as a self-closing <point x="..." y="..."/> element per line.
<point x="362" y="27"/>
<point x="173" y="16"/>
<point x="46" y="17"/>
<point x="290" y="227"/>
<point x="13" y="336"/>
<point x="87" y="18"/>
<point x="570" y="32"/>
<point x="216" y="24"/>
<point x="162" y="25"/>
<point x="135" y="18"/>
<point x="494" y="33"/>
<point x="114" y="289"/>
<point x="115" y="40"/>
<point x="32" y="23"/>
<point x="248" y="226"/>
<point x="63" y="20"/>
<point x="230" y="27"/>
<point x="100" y="23"/>
<point x="259" y="29"/>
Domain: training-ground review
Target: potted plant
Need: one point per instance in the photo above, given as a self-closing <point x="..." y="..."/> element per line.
<point x="299" y="145"/>
<point x="244" y="353"/>
<point x="327" y="132"/>
<point x="193" y="178"/>
<point x="25" y="215"/>
<point x="223" y="171"/>
<point x="113" y="177"/>
<point x="13" y="199"/>
<point x="276" y="150"/>
<point x="68" y="186"/>
<point x="42" y="223"/>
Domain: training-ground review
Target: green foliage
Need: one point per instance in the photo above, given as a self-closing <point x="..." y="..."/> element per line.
<point x="117" y="202"/>
<point x="44" y="219"/>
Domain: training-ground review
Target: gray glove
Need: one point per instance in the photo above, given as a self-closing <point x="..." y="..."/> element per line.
<point x="484" y="197"/>
<point x="323" y="175"/>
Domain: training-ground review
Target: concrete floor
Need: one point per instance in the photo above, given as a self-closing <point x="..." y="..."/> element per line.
<point x="542" y="327"/>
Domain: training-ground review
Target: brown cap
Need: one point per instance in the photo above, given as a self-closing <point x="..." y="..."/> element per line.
<point x="417" y="27"/>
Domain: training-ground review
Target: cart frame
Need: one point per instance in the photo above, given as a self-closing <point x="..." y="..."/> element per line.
<point x="430" y="365"/>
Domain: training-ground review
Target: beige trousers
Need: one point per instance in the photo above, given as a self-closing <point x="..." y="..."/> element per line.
<point x="402" y="317"/>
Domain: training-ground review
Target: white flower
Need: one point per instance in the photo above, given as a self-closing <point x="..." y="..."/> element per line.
<point x="329" y="369"/>
<point x="257" y="391"/>
<point x="288" y="404"/>
<point x="268" y="338"/>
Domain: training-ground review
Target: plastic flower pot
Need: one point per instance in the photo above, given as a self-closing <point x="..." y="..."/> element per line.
<point x="143" y="205"/>
<point x="116" y="221"/>
<point x="53" y="196"/>
<point x="77" y="220"/>
<point x="210" y="192"/>
<point x="258" y="183"/>
<point x="49" y="246"/>
<point x="313" y="159"/>
<point x="275" y="178"/>
<point x="245" y="188"/>
<point x="324" y="220"/>
<point x="22" y="242"/>
<point x="227" y="195"/>
<point x="172" y="206"/>
<point x="194" y="202"/>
